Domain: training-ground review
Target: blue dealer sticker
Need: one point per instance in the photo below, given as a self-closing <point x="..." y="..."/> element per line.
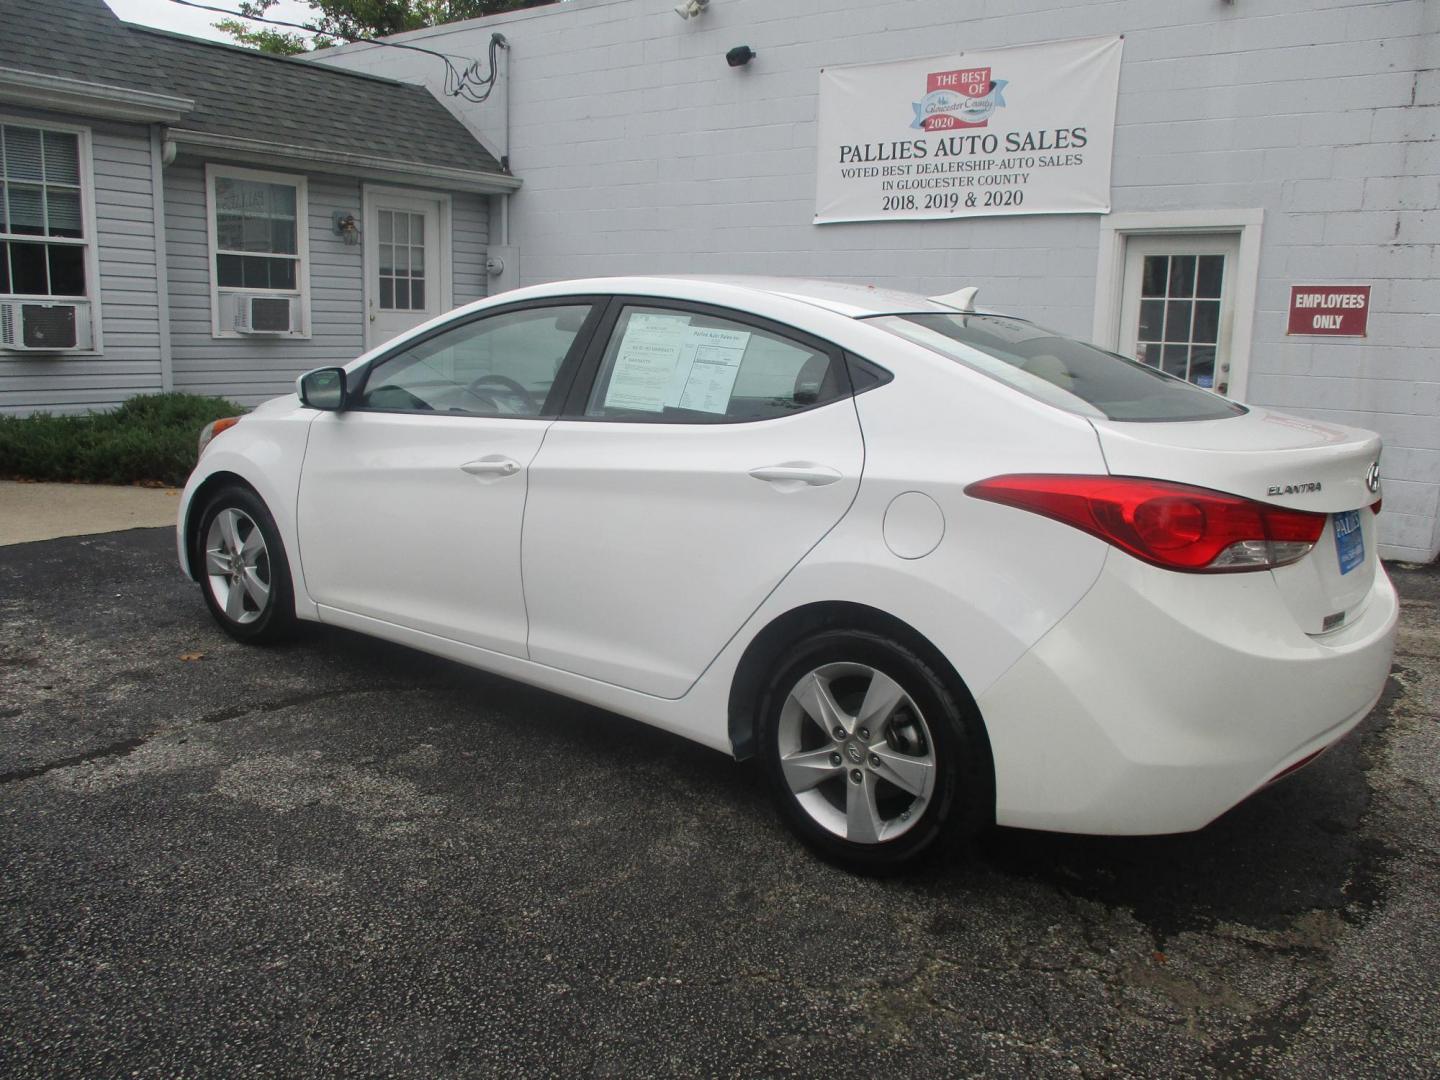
<point x="1349" y="540"/>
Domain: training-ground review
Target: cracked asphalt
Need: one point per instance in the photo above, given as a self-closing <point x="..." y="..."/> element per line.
<point x="342" y="857"/>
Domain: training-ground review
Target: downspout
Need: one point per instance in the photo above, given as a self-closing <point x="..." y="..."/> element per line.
<point x="162" y="260"/>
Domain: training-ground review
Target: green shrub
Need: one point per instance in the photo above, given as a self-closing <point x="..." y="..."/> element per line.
<point x="148" y="439"/>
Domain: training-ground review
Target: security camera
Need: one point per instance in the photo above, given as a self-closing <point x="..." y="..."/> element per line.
<point x="691" y="9"/>
<point x="739" y="56"/>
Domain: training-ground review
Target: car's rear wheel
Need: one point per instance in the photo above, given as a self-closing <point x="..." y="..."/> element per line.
<point x="243" y="570"/>
<point x="873" y="760"/>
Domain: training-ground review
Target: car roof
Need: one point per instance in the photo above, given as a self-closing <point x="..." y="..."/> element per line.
<point x="844" y="298"/>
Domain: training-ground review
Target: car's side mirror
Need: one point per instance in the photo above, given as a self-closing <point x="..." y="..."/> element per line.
<point x="323" y="388"/>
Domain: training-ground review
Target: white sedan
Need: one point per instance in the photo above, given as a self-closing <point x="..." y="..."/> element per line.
<point x="937" y="569"/>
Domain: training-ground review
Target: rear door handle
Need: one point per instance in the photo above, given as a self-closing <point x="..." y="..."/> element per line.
<point x="494" y="465"/>
<point x="797" y="472"/>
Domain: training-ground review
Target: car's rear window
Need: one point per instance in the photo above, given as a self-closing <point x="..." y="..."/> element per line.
<point x="1059" y="370"/>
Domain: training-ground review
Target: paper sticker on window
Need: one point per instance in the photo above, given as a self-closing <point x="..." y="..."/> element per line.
<point x="664" y="362"/>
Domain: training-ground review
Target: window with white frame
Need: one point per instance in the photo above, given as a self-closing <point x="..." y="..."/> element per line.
<point x="44" y="243"/>
<point x="258" y="246"/>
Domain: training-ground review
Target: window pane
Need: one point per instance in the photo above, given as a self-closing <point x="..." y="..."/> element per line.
<point x="1060" y="371"/>
<point x="1211" y="272"/>
<point x="228" y="270"/>
<point x="22" y="154"/>
<point x="1182" y="275"/>
<point x="255" y="234"/>
<point x="67" y="270"/>
<point x="387" y="258"/>
<point x="1177" y="321"/>
<point x="417" y="262"/>
<point x="1202" y="366"/>
<point x="500" y="365"/>
<point x="282" y="236"/>
<point x="27" y="267"/>
<point x="1152" y="278"/>
<point x="63" y="208"/>
<point x="27" y="212"/>
<point x="1174" y="358"/>
<point x="282" y="200"/>
<point x="62" y="158"/>
<point x="229" y="231"/>
<point x="402" y="294"/>
<point x="387" y="294"/>
<point x="4" y="266"/>
<point x="387" y="226"/>
<point x="1152" y="317"/>
<point x="417" y="295"/>
<point x="417" y="229"/>
<point x="402" y="228"/>
<point x="685" y="367"/>
<point x="4" y="215"/>
<point x="1207" y="320"/>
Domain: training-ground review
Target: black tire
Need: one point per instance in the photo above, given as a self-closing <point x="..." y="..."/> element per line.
<point x="962" y="800"/>
<point x="258" y="623"/>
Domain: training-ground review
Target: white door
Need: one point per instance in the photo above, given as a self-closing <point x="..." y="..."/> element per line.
<point x="712" y="456"/>
<point x="406" y="262"/>
<point x="411" y="499"/>
<point x="1177" y="310"/>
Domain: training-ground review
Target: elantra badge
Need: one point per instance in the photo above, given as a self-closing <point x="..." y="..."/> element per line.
<point x="1294" y="489"/>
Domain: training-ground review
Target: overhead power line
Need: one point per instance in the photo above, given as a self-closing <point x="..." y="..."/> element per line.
<point x="465" y="81"/>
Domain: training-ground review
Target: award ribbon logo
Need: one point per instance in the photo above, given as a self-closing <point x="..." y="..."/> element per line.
<point x="964" y="98"/>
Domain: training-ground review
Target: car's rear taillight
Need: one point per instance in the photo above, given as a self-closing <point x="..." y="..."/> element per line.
<point x="1172" y="525"/>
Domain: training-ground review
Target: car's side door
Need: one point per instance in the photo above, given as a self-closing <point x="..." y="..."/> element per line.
<point x="703" y="453"/>
<point x="411" y="498"/>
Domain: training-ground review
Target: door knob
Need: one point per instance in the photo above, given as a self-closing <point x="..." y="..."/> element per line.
<point x="797" y="472"/>
<point x="491" y="466"/>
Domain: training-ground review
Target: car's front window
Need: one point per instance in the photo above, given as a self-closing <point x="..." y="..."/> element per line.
<point x="1061" y="371"/>
<point x="498" y="365"/>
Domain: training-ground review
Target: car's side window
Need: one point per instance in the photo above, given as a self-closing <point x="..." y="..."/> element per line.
<point x="676" y="366"/>
<point x="497" y="365"/>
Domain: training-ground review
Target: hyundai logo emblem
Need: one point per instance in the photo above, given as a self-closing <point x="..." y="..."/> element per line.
<point x="1372" y="477"/>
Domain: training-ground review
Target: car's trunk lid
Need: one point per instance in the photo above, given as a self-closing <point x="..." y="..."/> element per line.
<point x="1285" y="461"/>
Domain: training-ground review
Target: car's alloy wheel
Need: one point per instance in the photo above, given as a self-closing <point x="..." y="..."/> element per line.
<point x="875" y="759"/>
<point x="856" y="752"/>
<point x="243" y="570"/>
<point x="237" y="566"/>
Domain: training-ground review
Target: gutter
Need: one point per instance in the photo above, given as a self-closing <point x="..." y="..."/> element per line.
<point x="59" y="94"/>
<point x="377" y="168"/>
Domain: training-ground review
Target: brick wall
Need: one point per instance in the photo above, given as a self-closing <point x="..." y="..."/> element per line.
<point x="642" y="151"/>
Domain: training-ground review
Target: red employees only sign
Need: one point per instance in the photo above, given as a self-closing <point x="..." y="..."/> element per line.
<point x="1329" y="310"/>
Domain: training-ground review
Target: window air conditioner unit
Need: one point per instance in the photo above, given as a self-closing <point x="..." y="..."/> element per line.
<point x="44" y="326"/>
<point x="264" y="313"/>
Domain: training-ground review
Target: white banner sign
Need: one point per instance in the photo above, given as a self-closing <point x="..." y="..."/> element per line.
<point x="1025" y="130"/>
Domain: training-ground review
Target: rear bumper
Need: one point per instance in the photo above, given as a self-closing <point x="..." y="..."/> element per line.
<point x="1162" y="700"/>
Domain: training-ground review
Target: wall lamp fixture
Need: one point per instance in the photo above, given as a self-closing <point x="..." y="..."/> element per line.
<point x="691" y="9"/>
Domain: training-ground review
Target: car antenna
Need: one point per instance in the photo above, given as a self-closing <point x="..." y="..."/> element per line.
<point x="960" y="299"/>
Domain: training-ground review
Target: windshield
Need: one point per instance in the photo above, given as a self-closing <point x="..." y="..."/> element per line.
<point x="1061" y="371"/>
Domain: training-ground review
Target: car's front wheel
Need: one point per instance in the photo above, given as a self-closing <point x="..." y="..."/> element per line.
<point x="244" y="573"/>
<point x="872" y="758"/>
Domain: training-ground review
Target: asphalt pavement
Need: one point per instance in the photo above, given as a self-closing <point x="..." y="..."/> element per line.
<point x="341" y="857"/>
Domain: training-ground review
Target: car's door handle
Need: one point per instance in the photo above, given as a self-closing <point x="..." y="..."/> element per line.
<point x="797" y="472"/>
<point x="494" y="465"/>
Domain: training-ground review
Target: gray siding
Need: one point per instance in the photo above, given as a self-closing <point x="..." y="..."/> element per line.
<point x="249" y="370"/>
<point x="470" y="222"/>
<point x="127" y="294"/>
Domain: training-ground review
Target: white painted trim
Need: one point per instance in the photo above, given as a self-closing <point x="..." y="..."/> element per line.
<point x="90" y="227"/>
<point x="162" y="260"/>
<point x="42" y="91"/>
<point x="1116" y="229"/>
<point x="415" y="173"/>
<point x="446" y="251"/>
<point x="302" y="245"/>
